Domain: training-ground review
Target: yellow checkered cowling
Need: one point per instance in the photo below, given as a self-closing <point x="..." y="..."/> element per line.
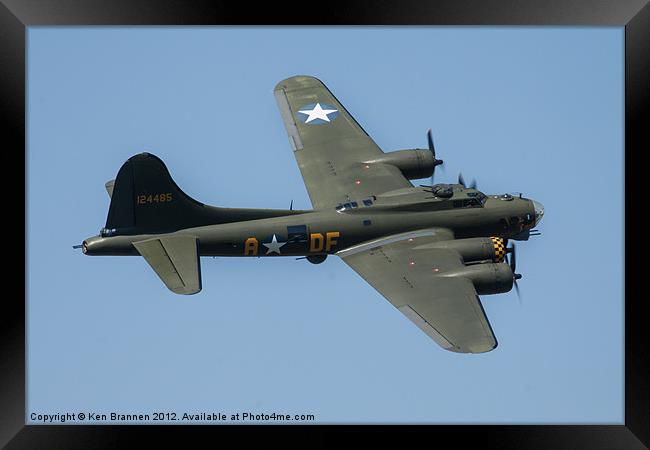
<point x="499" y="249"/>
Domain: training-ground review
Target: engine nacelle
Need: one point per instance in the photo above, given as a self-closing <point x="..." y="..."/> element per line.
<point x="489" y="278"/>
<point x="475" y="249"/>
<point x="414" y="164"/>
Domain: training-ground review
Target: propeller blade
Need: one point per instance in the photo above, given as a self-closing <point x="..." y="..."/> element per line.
<point x="461" y="180"/>
<point x="512" y="261"/>
<point x="430" y="141"/>
<point x="518" y="293"/>
<point x="432" y="148"/>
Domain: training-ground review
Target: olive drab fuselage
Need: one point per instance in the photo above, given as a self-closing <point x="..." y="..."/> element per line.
<point x="318" y="232"/>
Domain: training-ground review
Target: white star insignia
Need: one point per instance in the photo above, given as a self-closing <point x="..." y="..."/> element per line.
<point x="274" y="246"/>
<point x="318" y="113"/>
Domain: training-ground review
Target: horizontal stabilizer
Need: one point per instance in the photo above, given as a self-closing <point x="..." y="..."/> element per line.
<point x="176" y="261"/>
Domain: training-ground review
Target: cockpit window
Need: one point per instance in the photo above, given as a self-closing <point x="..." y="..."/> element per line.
<point x="467" y="203"/>
<point x="349" y="205"/>
<point x="442" y="190"/>
<point x="354" y="204"/>
<point x="481" y="197"/>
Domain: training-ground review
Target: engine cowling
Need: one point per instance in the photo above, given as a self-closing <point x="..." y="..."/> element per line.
<point x="414" y="163"/>
<point x="489" y="278"/>
<point x="475" y="249"/>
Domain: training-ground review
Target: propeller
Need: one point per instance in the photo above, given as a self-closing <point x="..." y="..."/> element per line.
<point x="512" y="261"/>
<point x="432" y="149"/>
<point x="461" y="180"/>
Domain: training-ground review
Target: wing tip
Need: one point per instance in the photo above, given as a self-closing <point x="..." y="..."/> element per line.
<point x="483" y="347"/>
<point x="297" y="81"/>
<point x="184" y="291"/>
<point x="487" y="348"/>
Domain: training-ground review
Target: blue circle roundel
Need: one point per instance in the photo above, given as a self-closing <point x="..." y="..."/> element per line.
<point x="317" y="113"/>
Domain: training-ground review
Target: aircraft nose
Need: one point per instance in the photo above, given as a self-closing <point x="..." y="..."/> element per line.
<point x="539" y="211"/>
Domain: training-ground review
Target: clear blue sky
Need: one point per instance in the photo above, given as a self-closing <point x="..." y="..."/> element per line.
<point x="536" y="110"/>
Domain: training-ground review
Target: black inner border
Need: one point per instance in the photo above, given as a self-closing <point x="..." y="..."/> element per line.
<point x="16" y="15"/>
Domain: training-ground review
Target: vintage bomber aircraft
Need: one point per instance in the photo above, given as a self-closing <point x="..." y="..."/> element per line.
<point x="430" y="250"/>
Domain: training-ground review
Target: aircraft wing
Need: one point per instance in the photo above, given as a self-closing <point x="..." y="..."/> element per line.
<point x="330" y="146"/>
<point x="402" y="269"/>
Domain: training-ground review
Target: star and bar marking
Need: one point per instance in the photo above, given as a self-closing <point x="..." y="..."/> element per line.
<point x="318" y="113"/>
<point x="318" y="243"/>
<point x="274" y="246"/>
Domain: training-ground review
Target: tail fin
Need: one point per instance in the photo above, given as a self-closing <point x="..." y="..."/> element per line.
<point x="145" y="199"/>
